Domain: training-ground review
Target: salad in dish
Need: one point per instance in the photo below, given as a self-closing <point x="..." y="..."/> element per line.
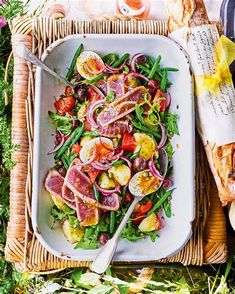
<point x="108" y="129"/>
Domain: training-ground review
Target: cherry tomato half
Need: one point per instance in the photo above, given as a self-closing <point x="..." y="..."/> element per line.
<point x="93" y="95"/>
<point x="159" y="94"/>
<point x="128" y="142"/>
<point x="65" y="104"/>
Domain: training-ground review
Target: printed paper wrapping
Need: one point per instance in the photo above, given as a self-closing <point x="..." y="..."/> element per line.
<point x="210" y="57"/>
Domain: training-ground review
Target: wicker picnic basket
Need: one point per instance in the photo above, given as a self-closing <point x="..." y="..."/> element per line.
<point x="208" y="243"/>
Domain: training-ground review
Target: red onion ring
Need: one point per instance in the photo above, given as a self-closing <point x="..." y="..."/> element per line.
<point x="73" y="120"/>
<point x="101" y="166"/>
<point x="163" y="138"/>
<point x="86" y="67"/>
<point x="58" y="146"/>
<point x="110" y="69"/>
<point x="127" y="161"/>
<point x="138" y="75"/>
<point x="154" y="170"/>
<point x="107" y="192"/>
<point x="117" y="156"/>
<point x="167" y="183"/>
<point x="168" y="99"/>
<point x="90" y="112"/>
<point x="134" y="60"/>
<point x="130" y="128"/>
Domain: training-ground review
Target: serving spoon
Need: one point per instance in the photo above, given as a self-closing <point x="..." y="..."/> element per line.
<point x="104" y="257"/>
<point x="23" y="52"/>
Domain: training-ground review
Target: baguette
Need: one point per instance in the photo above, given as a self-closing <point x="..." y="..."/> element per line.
<point x="186" y="13"/>
<point x="191" y="13"/>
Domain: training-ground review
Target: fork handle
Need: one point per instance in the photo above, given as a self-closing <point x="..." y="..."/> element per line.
<point x="104" y="257"/>
<point x="23" y="52"/>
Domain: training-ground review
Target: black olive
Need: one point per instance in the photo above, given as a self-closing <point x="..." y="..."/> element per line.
<point x="141" y="59"/>
<point x="103" y="238"/>
<point x="62" y="171"/>
<point x="82" y="94"/>
<point x="139" y="163"/>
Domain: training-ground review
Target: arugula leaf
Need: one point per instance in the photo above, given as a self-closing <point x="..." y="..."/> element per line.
<point x="110" y="58"/>
<point x="90" y="238"/>
<point x="153" y="235"/>
<point x="131" y="232"/>
<point x="73" y="221"/>
<point x="59" y="215"/>
<point x="63" y="123"/>
<point x="167" y="208"/>
<point x="110" y="96"/>
<point x="87" y="244"/>
<point x="103" y="226"/>
<point x="169" y="149"/>
<point x="171" y="123"/>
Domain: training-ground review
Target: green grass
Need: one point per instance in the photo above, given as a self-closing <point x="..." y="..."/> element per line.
<point x="173" y="277"/>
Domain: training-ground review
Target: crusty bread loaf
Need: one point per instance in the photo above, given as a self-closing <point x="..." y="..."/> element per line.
<point x="189" y="13"/>
<point x="222" y="163"/>
<point x="183" y="13"/>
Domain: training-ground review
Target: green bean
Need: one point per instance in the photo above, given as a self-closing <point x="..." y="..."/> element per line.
<point x="97" y="193"/>
<point x="155" y="67"/>
<point x="112" y="221"/>
<point x="74" y="60"/>
<point x="91" y="133"/>
<point x="72" y="139"/>
<point x="97" y="78"/>
<point x="159" y="202"/>
<point x="65" y="163"/>
<point x="164" y="81"/>
<point x="150" y="60"/>
<point x="121" y="60"/>
<point x="157" y="75"/>
<point x="128" y="155"/>
<point x="171" y="69"/>
<point x="146" y="129"/>
<point x="118" y="162"/>
<point x="124" y="190"/>
<point x="135" y="155"/>
<point x="139" y="112"/>
<point x="144" y="68"/>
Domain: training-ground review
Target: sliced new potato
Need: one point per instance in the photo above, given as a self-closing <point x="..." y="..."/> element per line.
<point x="121" y="174"/>
<point x="132" y="82"/>
<point x="146" y="143"/>
<point x="94" y="145"/>
<point x="92" y="60"/>
<point x="58" y="202"/>
<point x="85" y="139"/>
<point x="73" y="235"/>
<point x="81" y="113"/>
<point x="105" y="182"/>
<point x="148" y="224"/>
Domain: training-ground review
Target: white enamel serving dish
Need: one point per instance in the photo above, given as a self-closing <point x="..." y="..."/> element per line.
<point x="177" y="229"/>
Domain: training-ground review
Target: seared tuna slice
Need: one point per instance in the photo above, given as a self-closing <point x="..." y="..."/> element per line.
<point x="122" y="106"/>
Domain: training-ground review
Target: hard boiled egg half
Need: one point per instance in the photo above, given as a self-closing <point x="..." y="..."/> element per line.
<point x="89" y="64"/>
